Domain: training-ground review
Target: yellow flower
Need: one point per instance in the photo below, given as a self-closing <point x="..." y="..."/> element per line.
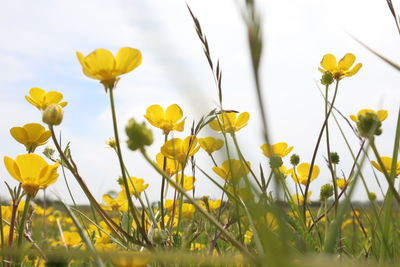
<point x="387" y="162"/>
<point x="197" y="246"/>
<point x="31" y="135"/>
<point x="341" y="183"/>
<point x="229" y="122"/>
<point x="169" y="204"/>
<point x="41" y="99"/>
<point x="6" y="212"/>
<point x="188" y="182"/>
<point x="102" y="65"/>
<point x="132" y="259"/>
<point x="214" y="204"/>
<point x="42" y="212"/>
<point x="232" y="169"/>
<point x="299" y="199"/>
<point x="248" y="236"/>
<point x="302" y="172"/>
<point x="32" y="171"/>
<point x="170" y="120"/>
<point x="342" y="69"/>
<point x="188" y="210"/>
<point x="136" y="186"/>
<point x="179" y="149"/>
<point x="283" y="171"/>
<point x="171" y="166"/>
<point x="72" y="239"/>
<point x="119" y="203"/>
<point x="211" y="144"/>
<point x="381" y="114"/>
<point x="276" y="150"/>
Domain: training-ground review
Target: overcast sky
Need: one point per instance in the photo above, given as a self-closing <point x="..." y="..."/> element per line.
<point x="40" y="38"/>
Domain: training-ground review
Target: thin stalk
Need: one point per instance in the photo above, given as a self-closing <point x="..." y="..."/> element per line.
<point x="317" y="146"/>
<point x="163" y="187"/>
<point x="121" y="163"/>
<point x="23" y="220"/>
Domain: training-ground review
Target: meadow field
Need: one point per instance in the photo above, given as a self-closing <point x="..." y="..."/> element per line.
<point x="329" y="207"/>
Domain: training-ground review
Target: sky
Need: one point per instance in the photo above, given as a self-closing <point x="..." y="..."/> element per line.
<point x="40" y="39"/>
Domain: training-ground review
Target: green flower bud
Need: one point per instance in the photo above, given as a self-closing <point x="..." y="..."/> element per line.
<point x="48" y="152"/>
<point x="335" y="158"/>
<point x="53" y="114"/>
<point x="120" y="181"/>
<point x="57" y="214"/>
<point x="327" y="78"/>
<point x="111" y="143"/>
<point x="275" y="162"/>
<point x="159" y="236"/>
<point x="326" y="192"/>
<point x="294" y="159"/>
<point x="372" y="196"/>
<point x="367" y="123"/>
<point x="139" y="135"/>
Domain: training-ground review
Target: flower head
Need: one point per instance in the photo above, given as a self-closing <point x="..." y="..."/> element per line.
<point x="170" y="120"/>
<point x="103" y="66"/>
<point x="188" y="182"/>
<point x="171" y="166"/>
<point x="342" y="69"/>
<point x="179" y="149"/>
<point x="387" y="162"/>
<point x="229" y="122"/>
<point x="31" y="135"/>
<point x="276" y="150"/>
<point x="42" y="99"/>
<point x="32" y="171"/>
<point x="302" y="172"/>
<point x="211" y="144"/>
<point x="232" y="169"/>
<point x="136" y="186"/>
<point x="53" y="114"/>
<point x="381" y="114"/>
<point x="119" y="203"/>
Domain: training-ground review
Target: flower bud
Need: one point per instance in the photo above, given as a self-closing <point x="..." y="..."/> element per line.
<point x="294" y="159"/>
<point x="275" y="162"/>
<point x="372" y="196"/>
<point x="53" y="114"/>
<point x="326" y="192"/>
<point x="335" y="158"/>
<point x="139" y="135"/>
<point x="327" y="78"/>
<point x="111" y="143"/>
<point x="367" y="123"/>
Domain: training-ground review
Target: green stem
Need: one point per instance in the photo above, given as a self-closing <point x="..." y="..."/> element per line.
<point x="207" y="215"/>
<point x="163" y="187"/>
<point x="121" y="163"/>
<point x="23" y="220"/>
<point x="316" y="148"/>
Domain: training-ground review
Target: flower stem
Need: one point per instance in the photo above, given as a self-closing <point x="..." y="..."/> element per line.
<point x="23" y="220"/>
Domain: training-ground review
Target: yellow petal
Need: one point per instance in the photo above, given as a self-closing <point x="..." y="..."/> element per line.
<point x="382" y="114"/>
<point x="354" y="118"/>
<point x="34" y="131"/>
<point x="220" y="172"/>
<point x="44" y="137"/>
<point x="53" y="97"/>
<point x="180" y="126"/>
<point x="376" y="165"/>
<point x="354" y="70"/>
<point x="171" y="147"/>
<point x="127" y="59"/>
<point x="155" y="114"/>
<point x="30" y="165"/>
<point x="173" y="113"/>
<point x="108" y="199"/>
<point x="242" y="120"/>
<point x="215" y="125"/>
<point x="101" y="63"/>
<point x="12" y="168"/>
<point x="37" y="93"/>
<point x="346" y="62"/>
<point x="329" y="62"/>
<point x="19" y="134"/>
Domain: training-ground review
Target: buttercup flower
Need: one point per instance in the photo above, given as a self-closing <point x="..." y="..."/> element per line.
<point x="42" y="99"/>
<point x="387" y="162"/>
<point x="229" y="122"/>
<point x="179" y="149"/>
<point x="299" y="199"/>
<point x="232" y="169"/>
<point x="302" y="172"/>
<point x="188" y="181"/>
<point x="119" y="203"/>
<point x="171" y="167"/>
<point x="103" y="66"/>
<point x="31" y="135"/>
<point x="381" y="114"/>
<point x="136" y="186"/>
<point x="32" y="171"/>
<point x="211" y="144"/>
<point x="276" y="150"/>
<point x="339" y="70"/>
<point x="341" y="183"/>
<point x="170" y="120"/>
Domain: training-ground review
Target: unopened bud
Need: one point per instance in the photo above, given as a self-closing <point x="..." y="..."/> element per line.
<point x="139" y="135"/>
<point x="53" y="114"/>
<point x="326" y="192"/>
<point x="294" y="159"/>
<point x="369" y="124"/>
<point x="275" y="162"/>
<point x="372" y="196"/>
<point x="327" y="78"/>
<point x="335" y="157"/>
